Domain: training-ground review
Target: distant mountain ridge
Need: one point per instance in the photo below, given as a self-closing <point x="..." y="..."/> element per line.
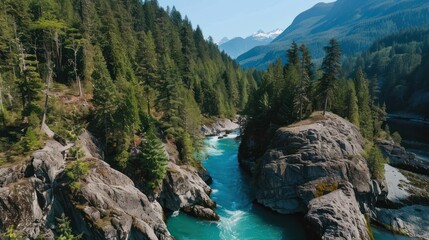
<point x="356" y="24"/>
<point x="237" y="46"/>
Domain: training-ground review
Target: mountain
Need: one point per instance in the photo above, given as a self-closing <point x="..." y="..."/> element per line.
<point x="237" y="46"/>
<point x="356" y="24"/>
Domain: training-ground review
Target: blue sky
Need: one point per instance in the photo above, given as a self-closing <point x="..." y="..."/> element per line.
<point x="233" y="18"/>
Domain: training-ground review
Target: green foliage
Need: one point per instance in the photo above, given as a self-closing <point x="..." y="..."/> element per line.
<point x="152" y="159"/>
<point x="12" y="234"/>
<point x="126" y="58"/>
<point x="331" y="68"/>
<point x="186" y="149"/>
<point x="352" y="105"/>
<point x="396" y="66"/>
<point x="32" y="140"/>
<point x="397" y="137"/>
<point x="376" y="161"/>
<point x="365" y="103"/>
<point x="76" y="152"/>
<point x="75" y="172"/>
<point x="64" y="230"/>
<point x="325" y="187"/>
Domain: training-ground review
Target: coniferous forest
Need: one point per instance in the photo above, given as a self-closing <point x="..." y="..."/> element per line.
<point x="120" y="119"/>
<point x="125" y="70"/>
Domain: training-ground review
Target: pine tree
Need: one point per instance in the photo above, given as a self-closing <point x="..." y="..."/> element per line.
<point x="331" y="68"/>
<point x="64" y="229"/>
<point x="29" y="83"/>
<point x="362" y="89"/>
<point x="147" y="67"/>
<point x="352" y="105"/>
<point x="293" y="54"/>
<point x="152" y="158"/>
<point x="104" y="96"/>
<point x="302" y="97"/>
<point x="169" y="99"/>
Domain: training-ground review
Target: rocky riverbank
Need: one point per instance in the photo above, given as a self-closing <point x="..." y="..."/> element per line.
<point x="219" y="125"/>
<point x="317" y="167"/>
<point x="405" y="210"/>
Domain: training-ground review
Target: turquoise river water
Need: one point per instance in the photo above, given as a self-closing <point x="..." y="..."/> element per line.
<point x="240" y="218"/>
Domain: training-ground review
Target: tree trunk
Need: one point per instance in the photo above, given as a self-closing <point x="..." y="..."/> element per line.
<point x="326" y="105"/>
<point x="48" y="86"/>
<point x="76" y="49"/>
<point x="148" y="100"/>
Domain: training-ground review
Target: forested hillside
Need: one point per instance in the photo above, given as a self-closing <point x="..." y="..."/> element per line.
<point x="291" y="92"/>
<point x="356" y="23"/>
<point x="398" y="66"/>
<point x="125" y="70"/>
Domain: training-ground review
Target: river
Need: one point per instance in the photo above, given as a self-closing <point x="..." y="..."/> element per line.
<point x="240" y="218"/>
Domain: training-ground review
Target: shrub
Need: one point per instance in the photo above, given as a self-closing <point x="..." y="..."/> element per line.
<point x="325" y="188"/>
<point x="76" y="152"/>
<point x="376" y="162"/>
<point x="64" y="229"/>
<point x="75" y="172"/>
<point x="396" y="137"/>
<point x="32" y="140"/>
<point x="12" y="234"/>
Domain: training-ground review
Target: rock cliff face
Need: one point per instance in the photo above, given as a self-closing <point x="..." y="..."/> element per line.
<point x="311" y="159"/>
<point x="336" y="215"/>
<point x="183" y="189"/>
<point x="319" y="148"/>
<point x="107" y="206"/>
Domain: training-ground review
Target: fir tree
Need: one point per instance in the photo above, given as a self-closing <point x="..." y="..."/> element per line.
<point x="352" y="104"/>
<point x="64" y="229"/>
<point x="147" y="66"/>
<point x="302" y="97"/>
<point x="152" y="158"/>
<point x="331" y="68"/>
<point x="364" y="99"/>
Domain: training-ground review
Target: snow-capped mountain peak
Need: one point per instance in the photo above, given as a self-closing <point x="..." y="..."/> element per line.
<point x="269" y="35"/>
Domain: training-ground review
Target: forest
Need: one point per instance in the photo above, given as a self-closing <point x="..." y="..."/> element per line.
<point x="132" y="73"/>
<point x="398" y="65"/>
<point x="290" y="92"/>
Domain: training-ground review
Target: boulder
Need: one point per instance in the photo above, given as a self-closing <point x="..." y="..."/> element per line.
<point x="410" y="220"/>
<point x="401" y="158"/>
<point x="336" y="215"/>
<point x="219" y="126"/>
<point x="201" y="212"/>
<point x="322" y="147"/>
<point x="184" y="188"/>
<point x="109" y="206"/>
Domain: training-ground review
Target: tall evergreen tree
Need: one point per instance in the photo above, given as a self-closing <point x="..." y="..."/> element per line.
<point x="331" y="67"/>
<point x="364" y="99"/>
<point x="302" y="98"/>
<point x="293" y="54"/>
<point x="104" y="96"/>
<point x="147" y="67"/>
<point x="352" y="104"/>
<point x="152" y="158"/>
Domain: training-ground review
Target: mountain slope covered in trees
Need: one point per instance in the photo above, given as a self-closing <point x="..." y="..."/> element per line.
<point x="356" y="23"/>
<point x="128" y="71"/>
<point x="397" y="67"/>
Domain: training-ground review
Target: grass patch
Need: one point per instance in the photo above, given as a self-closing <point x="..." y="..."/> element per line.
<point x="325" y="187"/>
